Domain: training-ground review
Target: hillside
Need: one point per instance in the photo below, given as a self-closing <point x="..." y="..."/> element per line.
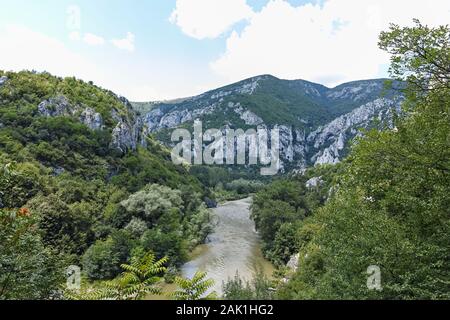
<point x="316" y="122"/>
<point x="71" y="126"/>
<point x="77" y="172"/>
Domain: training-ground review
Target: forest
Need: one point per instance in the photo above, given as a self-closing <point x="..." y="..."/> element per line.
<point x="130" y="219"/>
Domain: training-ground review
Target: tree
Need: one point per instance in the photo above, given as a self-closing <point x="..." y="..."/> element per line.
<point x="391" y="206"/>
<point x="67" y="228"/>
<point x="18" y="183"/>
<point x="237" y="289"/>
<point x="138" y="280"/>
<point x="103" y="259"/>
<point x="261" y="288"/>
<point x="152" y="202"/>
<point x="195" y="288"/>
<point x="420" y="55"/>
<point x="28" y="269"/>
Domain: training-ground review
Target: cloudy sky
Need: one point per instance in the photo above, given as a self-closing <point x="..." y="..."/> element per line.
<point x="164" y="49"/>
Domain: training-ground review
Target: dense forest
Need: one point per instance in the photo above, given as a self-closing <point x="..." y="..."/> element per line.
<point x="129" y="217"/>
<point x="67" y="197"/>
<point x="386" y="205"/>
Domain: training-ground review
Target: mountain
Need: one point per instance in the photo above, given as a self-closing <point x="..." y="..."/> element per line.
<point x="73" y="127"/>
<point x="316" y="123"/>
<point x="83" y="184"/>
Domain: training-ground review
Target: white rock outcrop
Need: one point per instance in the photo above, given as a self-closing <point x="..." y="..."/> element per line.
<point x="3" y="80"/>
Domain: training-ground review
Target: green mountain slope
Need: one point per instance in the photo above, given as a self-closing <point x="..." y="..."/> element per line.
<point x="77" y="165"/>
<point x="316" y="123"/>
<point x="44" y="119"/>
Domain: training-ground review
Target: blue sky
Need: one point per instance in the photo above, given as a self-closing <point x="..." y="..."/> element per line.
<point x="163" y="49"/>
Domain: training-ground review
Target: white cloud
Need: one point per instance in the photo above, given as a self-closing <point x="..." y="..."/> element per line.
<point x="202" y="19"/>
<point x="125" y="44"/>
<point x="143" y="93"/>
<point x="24" y="49"/>
<point x="93" y="39"/>
<point x="329" y="43"/>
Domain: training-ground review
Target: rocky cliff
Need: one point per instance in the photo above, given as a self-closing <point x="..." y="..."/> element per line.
<point x="316" y="123"/>
<point x="129" y="129"/>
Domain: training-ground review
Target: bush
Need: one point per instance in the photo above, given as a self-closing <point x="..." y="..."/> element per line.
<point x="103" y="259"/>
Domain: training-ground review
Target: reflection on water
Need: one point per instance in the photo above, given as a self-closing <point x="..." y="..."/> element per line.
<point x="234" y="246"/>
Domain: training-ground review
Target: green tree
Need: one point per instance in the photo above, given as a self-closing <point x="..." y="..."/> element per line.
<point x="152" y="202"/>
<point x="237" y="289"/>
<point x="195" y="288"/>
<point x="391" y="207"/>
<point x="260" y="288"/>
<point x="103" y="259"/>
<point x="139" y="279"/>
<point x="28" y="269"/>
<point x="420" y="55"/>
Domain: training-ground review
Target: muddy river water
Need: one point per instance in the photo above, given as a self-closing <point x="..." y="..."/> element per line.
<point x="233" y="247"/>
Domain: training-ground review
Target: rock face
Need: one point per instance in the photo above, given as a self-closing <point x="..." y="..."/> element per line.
<point x="320" y="134"/>
<point x="356" y="92"/>
<point x="156" y="119"/>
<point x="3" y="80"/>
<point x="130" y="130"/>
<point x="128" y="133"/>
<point x="249" y="117"/>
<point x="293" y="263"/>
<point x="91" y="119"/>
<point x="57" y="107"/>
<point x="314" y="182"/>
<point x="330" y="140"/>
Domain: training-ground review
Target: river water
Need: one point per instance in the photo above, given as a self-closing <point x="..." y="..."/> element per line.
<point x="233" y="247"/>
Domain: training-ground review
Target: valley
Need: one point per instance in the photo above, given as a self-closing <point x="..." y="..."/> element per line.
<point x="90" y="192"/>
<point x="233" y="247"/>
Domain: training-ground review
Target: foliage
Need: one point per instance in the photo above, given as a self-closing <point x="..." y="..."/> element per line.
<point x="74" y="182"/>
<point x="420" y="55"/>
<point x="28" y="269"/>
<point x="103" y="259"/>
<point x="261" y="288"/>
<point x="152" y="202"/>
<point x="195" y="288"/>
<point x="280" y="207"/>
<point x="391" y="205"/>
<point x="237" y="289"/>
<point x="138" y="279"/>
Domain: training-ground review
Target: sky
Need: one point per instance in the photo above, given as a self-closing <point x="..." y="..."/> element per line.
<point x="149" y="50"/>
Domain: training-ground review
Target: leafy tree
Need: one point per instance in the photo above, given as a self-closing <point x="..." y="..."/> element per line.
<point x="104" y="258"/>
<point x="195" y="288"/>
<point x="237" y="289"/>
<point x="18" y="183"/>
<point x="391" y="207"/>
<point x="420" y="55"/>
<point x="171" y="244"/>
<point x="139" y="279"/>
<point x="65" y="228"/>
<point x="152" y="202"/>
<point x="261" y="288"/>
<point x="28" y="269"/>
<point x="136" y="227"/>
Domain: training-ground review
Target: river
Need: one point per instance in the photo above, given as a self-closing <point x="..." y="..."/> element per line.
<point x="234" y="246"/>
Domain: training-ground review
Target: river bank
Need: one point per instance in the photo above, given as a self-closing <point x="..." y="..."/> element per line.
<point x="233" y="247"/>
